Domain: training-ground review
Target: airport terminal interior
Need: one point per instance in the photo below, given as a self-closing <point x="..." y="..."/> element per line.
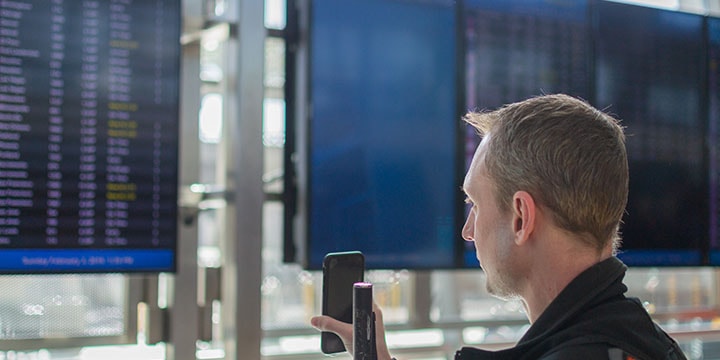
<point x="172" y="172"/>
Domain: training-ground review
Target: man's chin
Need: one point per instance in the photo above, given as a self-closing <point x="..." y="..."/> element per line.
<point x="501" y="292"/>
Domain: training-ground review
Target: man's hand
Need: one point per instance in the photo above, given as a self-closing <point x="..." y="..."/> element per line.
<point x="345" y="332"/>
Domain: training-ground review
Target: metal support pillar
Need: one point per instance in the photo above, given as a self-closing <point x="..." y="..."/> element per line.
<point x="242" y="265"/>
<point x="183" y="286"/>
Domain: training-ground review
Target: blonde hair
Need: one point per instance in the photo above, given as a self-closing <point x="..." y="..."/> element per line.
<point x="568" y="155"/>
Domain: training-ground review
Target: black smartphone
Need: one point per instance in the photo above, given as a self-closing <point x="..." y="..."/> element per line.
<point x="340" y="271"/>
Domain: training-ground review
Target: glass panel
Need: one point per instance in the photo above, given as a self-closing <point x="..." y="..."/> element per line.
<point x="392" y="291"/>
<point x="674" y="291"/>
<point x="274" y="64"/>
<point x="212" y="53"/>
<point x="288" y="295"/>
<point x="274" y="116"/>
<point x="461" y="296"/>
<point x="211" y="119"/>
<point x="275" y="14"/>
<point x="274" y="122"/>
<point x="62" y="306"/>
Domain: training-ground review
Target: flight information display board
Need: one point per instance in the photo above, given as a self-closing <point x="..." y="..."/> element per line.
<point x="382" y="165"/>
<point x="88" y="135"/>
<point x="516" y="49"/>
<point x="650" y="73"/>
<point x="713" y="28"/>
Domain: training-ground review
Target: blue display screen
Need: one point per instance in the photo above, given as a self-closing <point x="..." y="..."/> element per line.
<point x="382" y="168"/>
<point x="713" y="28"/>
<point x="89" y="260"/>
<point x="387" y="152"/>
<point x="518" y="49"/>
<point x="650" y="73"/>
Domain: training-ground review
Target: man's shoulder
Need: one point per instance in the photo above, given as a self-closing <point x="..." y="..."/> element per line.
<point x="578" y="350"/>
<point x="627" y="327"/>
<point x="600" y="332"/>
<point x="589" y="352"/>
<point x="602" y="352"/>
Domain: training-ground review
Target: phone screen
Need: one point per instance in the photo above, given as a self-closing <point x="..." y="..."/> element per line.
<point x="340" y="271"/>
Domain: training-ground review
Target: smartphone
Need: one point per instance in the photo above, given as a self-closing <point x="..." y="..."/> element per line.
<point x="340" y="271"/>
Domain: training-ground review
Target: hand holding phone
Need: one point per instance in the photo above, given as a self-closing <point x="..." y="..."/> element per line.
<point x="340" y="271"/>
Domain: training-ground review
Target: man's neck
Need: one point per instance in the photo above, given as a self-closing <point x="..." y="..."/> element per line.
<point x="552" y="272"/>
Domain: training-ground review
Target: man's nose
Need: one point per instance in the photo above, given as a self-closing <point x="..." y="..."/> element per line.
<point x="467" y="230"/>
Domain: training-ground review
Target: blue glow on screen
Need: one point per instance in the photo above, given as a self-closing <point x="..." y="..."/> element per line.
<point x="383" y="131"/>
<point x="91" y="260"/>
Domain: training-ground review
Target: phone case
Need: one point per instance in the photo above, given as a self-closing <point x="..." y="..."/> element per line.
<point x="340" y="271"/>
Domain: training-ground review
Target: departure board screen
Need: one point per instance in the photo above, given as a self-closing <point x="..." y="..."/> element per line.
<point x="713" y="28"/>
<point x="516" y="49"/>
<point x="88" y="135"/>
<point x="383" y="134"/>
<point x="650" y="73"/>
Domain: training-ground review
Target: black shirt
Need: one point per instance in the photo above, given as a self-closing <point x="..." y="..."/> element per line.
<point x="590" y="319"/>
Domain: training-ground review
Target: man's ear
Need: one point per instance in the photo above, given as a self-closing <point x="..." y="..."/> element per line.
<point x="524" y="210"/>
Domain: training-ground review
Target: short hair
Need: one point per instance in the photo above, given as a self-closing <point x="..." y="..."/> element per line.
<point x="568" y="155"/>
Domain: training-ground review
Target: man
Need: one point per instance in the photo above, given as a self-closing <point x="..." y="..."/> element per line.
<point x="547" y="188"/>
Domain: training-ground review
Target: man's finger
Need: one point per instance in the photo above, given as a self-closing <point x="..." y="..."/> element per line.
<point x="326" y="323"/>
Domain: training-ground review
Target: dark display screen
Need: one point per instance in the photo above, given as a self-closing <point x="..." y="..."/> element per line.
<point x="383" y="132"/>
<point x="650" y="71"/>
<point x="713" y="28"/>
<point x="88" y="135"/>
<point x="517" y="49"/>
<point x="379" y="85"/>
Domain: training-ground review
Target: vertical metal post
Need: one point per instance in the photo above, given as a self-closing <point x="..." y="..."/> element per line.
<point x="242" y="266"/>
<point x="183" y="307"/>
<point x="421" y="301"/>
